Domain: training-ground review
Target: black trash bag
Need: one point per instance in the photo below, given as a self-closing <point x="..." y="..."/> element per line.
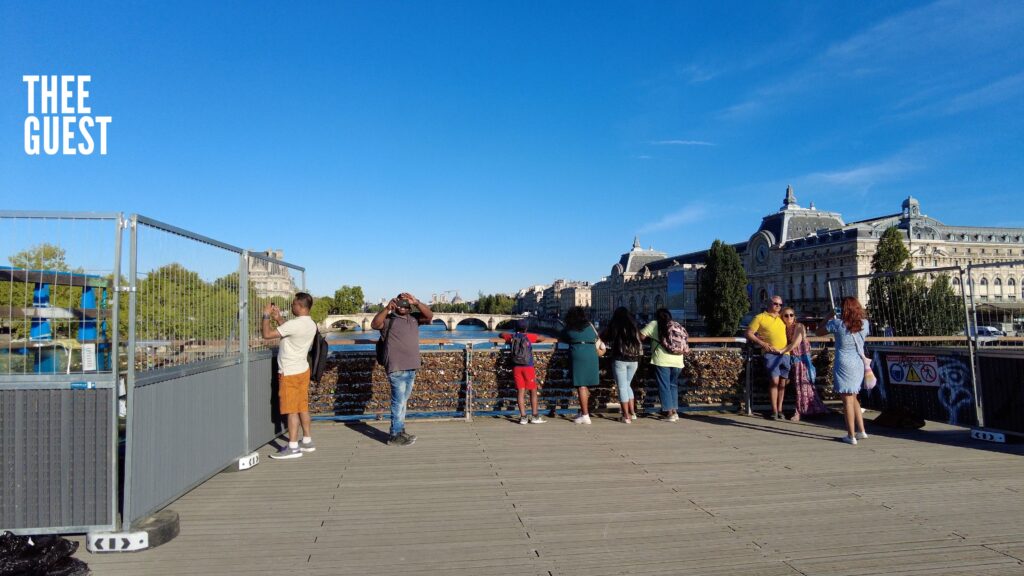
<point x="44" y="556"/>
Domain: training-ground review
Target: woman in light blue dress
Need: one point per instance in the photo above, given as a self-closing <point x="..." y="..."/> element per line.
<point x="848" y="367"/>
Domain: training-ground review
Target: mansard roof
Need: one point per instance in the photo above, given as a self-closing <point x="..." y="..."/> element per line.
<point x="633" y="261"/>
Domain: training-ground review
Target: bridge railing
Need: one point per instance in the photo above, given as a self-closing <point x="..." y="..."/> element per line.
<point x="721" y="374"/>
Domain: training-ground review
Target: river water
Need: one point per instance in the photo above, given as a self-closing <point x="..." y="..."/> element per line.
<point x="477" y="335"/>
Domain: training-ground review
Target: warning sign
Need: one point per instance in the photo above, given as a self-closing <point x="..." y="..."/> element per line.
<point x="916" y="370"/>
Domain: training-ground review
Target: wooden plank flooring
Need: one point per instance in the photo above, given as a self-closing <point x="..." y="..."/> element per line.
<point x="711" y="494"/>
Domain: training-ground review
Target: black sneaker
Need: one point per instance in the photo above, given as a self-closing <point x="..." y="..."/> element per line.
<point x="396" y="440"/>
<point x="409" y="438"/>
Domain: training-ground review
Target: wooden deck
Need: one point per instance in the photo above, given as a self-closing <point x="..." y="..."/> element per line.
<point x="712" y="494"/>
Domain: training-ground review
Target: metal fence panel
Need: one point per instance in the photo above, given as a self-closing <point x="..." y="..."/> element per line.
<point x="186" y="417"/>
<point x="996" y="296"/>
<point x="57" y="460"/>
<point x="58" y="368"/>
<point x="184" y="431"/>
<point x="264" y="423"/>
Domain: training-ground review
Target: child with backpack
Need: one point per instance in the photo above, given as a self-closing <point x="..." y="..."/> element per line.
<point x="669" y="344"/>
<point x="521" y="346"/>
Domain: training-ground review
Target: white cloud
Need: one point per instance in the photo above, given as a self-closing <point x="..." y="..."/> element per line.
<point x="862" y="177"/>
<point x="685" y="215"/>
<point x="998" y="91"/>
<point x="682" y="143"/>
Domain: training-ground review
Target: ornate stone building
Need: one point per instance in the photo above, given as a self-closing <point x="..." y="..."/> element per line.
<point x="796" y="251"/>
<point x="270" y="279"/>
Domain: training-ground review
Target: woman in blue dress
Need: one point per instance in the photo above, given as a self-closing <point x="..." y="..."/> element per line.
<point x="848" y="367"/>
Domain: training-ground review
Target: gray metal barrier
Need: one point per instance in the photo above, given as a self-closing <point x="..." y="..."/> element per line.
<point x="59" y="347"/>
<point x="177" y="334"/>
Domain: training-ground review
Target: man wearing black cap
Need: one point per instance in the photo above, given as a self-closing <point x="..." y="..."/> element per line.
<point x="400" y="330"/>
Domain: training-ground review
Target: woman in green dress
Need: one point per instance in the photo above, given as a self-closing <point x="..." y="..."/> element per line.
<point x="581" y="336"/>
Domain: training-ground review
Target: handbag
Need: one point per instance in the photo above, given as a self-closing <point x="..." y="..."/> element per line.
<point x="869" y="374"/>
<point x="599" y="344"/>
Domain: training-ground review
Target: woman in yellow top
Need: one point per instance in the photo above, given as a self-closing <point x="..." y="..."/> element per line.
<point x="768" y="331"/>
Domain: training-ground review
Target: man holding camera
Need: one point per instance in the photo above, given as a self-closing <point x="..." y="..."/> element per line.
<point x="400" y="330"/>
<point x="293" y="370"/>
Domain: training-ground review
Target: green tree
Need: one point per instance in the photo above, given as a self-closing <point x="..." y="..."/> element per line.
<point x="40" y="257"/>
<point x="890" y="293"/>
<point x="494" y="304"/>
<point x="453" y="307"/>
<point x="322" y="306"/>
<point x="722" y="291"/>
<point x="348" y="299"/>
<point x="43" y="256"/>
<point x="943" y="309"/>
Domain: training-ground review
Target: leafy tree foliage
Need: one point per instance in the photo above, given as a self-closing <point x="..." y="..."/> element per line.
<point x="886" y="294"/>
<point x="494" y="304"/>
<point x="43" y="256"/>
<point x="322" y="306"/>
<point x="457" y="308"/>
<point x="348" y="300"/>
<point x="904" y="303"/>
<point x="722" y="291"/>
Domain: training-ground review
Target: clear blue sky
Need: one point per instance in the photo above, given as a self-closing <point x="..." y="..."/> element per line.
<point x="427" y="146"/>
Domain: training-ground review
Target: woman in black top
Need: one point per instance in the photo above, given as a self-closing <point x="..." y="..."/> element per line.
<point x="623" y="337"/>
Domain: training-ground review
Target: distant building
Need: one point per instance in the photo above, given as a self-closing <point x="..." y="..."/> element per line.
<point x="529" y="300"/>
<point x="269" y="279"/>
<point x="796" y="251"/>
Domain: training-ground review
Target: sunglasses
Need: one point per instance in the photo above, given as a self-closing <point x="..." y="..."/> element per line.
<point x="789" y="315"/>
<point x="776" y="303"/>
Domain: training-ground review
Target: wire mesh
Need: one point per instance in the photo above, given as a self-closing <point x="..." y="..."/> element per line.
<point x="996" y="296"/>
<point x="923" y="307"/>
<point x="57" y="293"/>
<point x="187" y="300"/>
<point x="270" y="281"/>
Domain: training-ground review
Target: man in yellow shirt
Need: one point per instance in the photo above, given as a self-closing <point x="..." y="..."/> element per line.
<point x="768" y="331"/>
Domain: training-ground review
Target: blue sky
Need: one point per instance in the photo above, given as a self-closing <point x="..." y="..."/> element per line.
<point x="428" y="146"/>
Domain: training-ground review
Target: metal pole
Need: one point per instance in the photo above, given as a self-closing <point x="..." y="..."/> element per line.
<point x="243" y="342"/>
<point x="468" y="355"/>
<point x="133" y="261"/>
<point x="972" y="346"/>
<point x="749" y="392"/>
<point x="115" y="352"/>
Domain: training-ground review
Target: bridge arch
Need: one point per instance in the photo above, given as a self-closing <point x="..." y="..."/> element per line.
<point x="440" y="322"/>
<point x="347" y="323"/>
<point x="472" y="321"/>
<point x="505" y="324"/>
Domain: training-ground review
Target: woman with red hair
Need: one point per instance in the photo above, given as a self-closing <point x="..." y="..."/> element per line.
<point x="848" y="367"/>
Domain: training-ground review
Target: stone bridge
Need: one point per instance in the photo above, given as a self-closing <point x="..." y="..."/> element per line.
<point x="451" y="320"/>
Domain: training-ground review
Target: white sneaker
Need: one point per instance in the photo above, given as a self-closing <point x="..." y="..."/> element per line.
<point x="850" y="440"/>
<point x="582" y="419"/>
<point x="862" y="435"/>
<point x="537" y="420"/>
<point x="636" y="417"/>
<point x="626" y="420"/>
<point x="524" y="420"/>
<point x="673" y="418"/>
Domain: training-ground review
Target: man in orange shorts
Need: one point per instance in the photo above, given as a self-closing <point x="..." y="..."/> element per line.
<point x="521" y="345"/>
<point x="293" y="371"/>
